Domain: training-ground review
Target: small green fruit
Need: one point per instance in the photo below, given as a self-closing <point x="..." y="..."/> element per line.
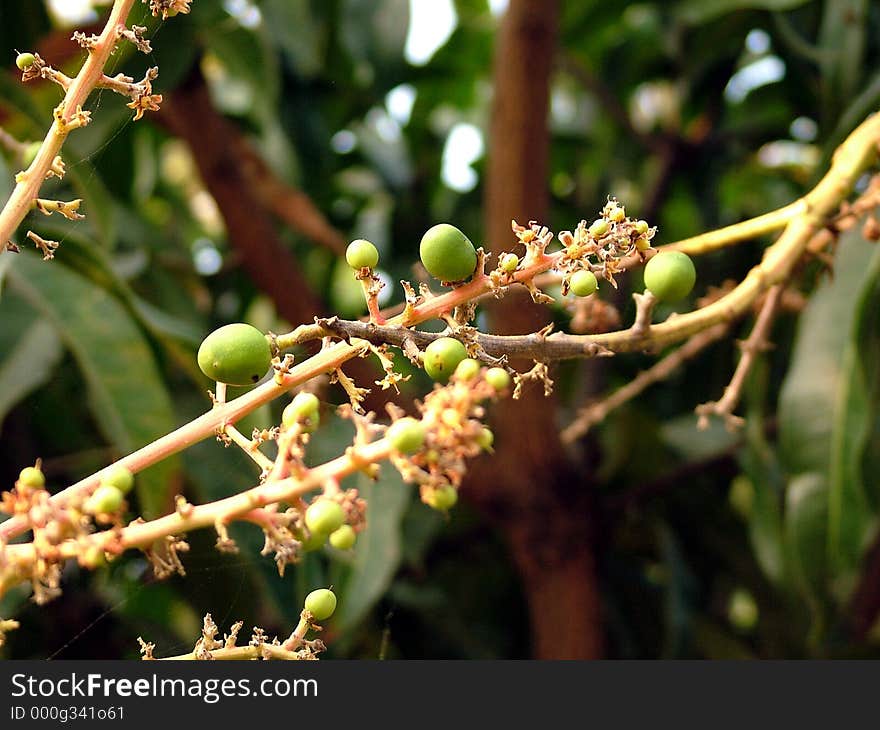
<point x="642" y="243"/>
<point x="447" y="253"/>
<point x="24" y="60"/>
<point x="406" y="435"/>
<point x="324" y="516"/>
<point x="321" y="603"/>
<point x="442" y="357"/>
<point x="509" y="262"/>
<point x="343" y="538"/>
<point x="486" y="439"/>
<point x="670" y="276"/>
<point x="106" y="499"/>
<point x="303" y="409"/>
<point x="313" y="541"/>
<point x="361" y="254"/>
<point x="467" y="370"/>
<point x="742" y="611"/>
<point x="443" y="498"/>
<point x="121" y="478"/>
<point x="30" y="476"/>
<point x="616" y="213"/>
<point x="235" y="354"/>
<point x="583" y="283"/>
<point x="641" y="227"/>
<point x="498" y="378"/>
<point x="598" y="228"/>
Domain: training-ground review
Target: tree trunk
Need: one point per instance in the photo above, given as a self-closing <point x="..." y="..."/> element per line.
<point x="530" y="489"/>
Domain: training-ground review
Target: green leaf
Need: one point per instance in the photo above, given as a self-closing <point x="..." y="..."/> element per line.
<point x="852" y="512"/>
<point x="765" y="480"/>
<point x="842" y="39"/>
<point x="127" y="395"/>
<point x="378" y="549"/>
<point x="28" y="365"/>
<point x="97" y="202"/>
<point x="305" y="47"/>
<point x="806" y="520"/>
<point x="696" y="12"/>
<point x="827" y="404"/>
<point x="179" y="337"/>
<point x="812" y="386"/>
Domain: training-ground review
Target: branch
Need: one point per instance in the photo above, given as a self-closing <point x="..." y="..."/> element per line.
<point x="597" y="412"/>
<point x="536" y="346"/>
<point x="189" y="114"/>
<point x="851" y="159"/>
<point x="450" y="433"/>
<point x="67" y="117"/>
<point x="757" y="343"/>
<point x="189" y="111"/>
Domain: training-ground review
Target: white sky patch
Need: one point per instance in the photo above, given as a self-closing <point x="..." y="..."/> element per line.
<point x="244" y="11"/>
<point x="498" y="6"/>
<point x="73" y="12"/>
<point x="767" y="70"/>
<point x="207" y="260"/>
<point x="383" y="125"/>
<point x="784" y="152"/>
<point x="343" y="142"/>
<point x="464" y="146"/>
<point x="431" y="22"/>
<point x="399" y="102"/>
<point x="804" y="129"/>
<point x="758" y="41"/>
<point x="387" y="291"/>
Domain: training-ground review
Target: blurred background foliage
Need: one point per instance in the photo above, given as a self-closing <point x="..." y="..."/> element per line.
<point x="695" y="114"/>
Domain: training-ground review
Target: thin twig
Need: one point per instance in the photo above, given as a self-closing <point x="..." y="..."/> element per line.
<point x="662" y="369"/>
<point x="757" y="342"/>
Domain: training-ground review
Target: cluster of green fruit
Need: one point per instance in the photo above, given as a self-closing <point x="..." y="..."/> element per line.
<point x="109" y="497"/>
<point x="325" y="520"/>
<point x="445" y="251"/>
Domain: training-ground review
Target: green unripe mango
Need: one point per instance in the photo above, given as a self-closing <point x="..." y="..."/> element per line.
<point x="442" y="356"/>
<point x="670" y="276"/>
<point x="447" y="253"/>
<point x="235" y="354"/>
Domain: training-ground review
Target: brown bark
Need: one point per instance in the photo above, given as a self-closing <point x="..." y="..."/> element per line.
<point x="216" y="146"/>
<point x="529" y="488"/>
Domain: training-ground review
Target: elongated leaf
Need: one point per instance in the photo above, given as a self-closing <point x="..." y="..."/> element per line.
<point x="842" y="39"/>
<point x="28" y="365"/>
<point x="852" y="512"/>
<point x="826" y="414"/>
<point x="806" y="521"/>
<point x="378" y="552"/>
<point x="179" y="337"/>
<point x="127" y="395"/>
<point x="761" y="465"/>
<point x="811" y="389"/>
